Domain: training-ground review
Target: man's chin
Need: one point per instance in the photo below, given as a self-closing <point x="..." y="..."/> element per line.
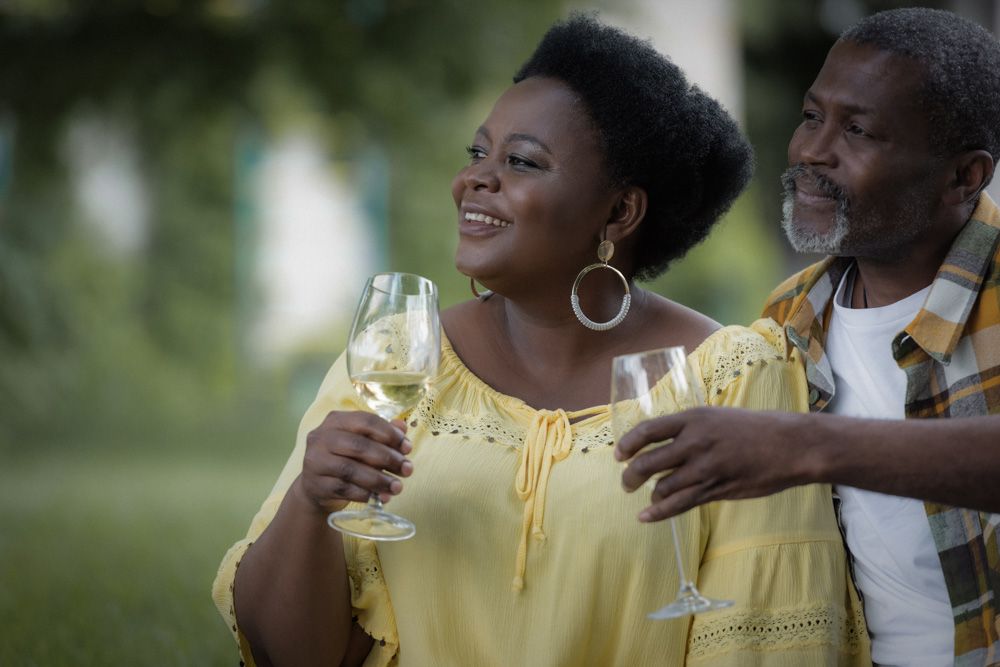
<point x="807" y="238"/>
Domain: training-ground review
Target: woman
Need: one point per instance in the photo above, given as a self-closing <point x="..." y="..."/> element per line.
<point x="528" y="551"/>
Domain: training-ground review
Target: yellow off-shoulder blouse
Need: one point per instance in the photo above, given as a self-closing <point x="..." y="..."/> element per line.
<point x="528" y="551"/>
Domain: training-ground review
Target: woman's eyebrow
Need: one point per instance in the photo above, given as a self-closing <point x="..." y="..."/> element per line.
<point x="518" y="136"/>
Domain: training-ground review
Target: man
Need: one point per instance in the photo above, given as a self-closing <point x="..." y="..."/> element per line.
<point x="899" y="135"/>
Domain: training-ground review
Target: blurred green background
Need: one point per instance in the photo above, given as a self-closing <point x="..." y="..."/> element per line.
<point x="191" y="196"/>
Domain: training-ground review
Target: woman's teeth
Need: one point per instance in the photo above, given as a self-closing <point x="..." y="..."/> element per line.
<point x="489" y="220"/>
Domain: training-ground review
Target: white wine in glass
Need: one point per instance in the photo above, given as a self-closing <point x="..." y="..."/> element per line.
<point x="392" y="353"/>
<point x="390" y="392"/>
<point x="646" y="385"/>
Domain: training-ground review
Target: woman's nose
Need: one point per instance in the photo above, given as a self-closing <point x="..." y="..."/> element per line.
<point x="482" y="176"/>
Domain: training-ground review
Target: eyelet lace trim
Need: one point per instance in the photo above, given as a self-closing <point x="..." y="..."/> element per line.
<point x="759" y="630"/>
<point x="494" y="429"/>
<point x="745" y="351"/>
<point x="497" y="426"/>
<point x="364" y="570"/>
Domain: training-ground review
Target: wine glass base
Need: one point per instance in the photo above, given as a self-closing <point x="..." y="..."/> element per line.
<point x="372" y="524"/>
<point x="688" y="605"/>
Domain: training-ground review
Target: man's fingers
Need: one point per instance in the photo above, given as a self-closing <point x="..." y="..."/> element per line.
<point x="669" y="485"/>
<point x="649" y="431"/>
<point x="676" y="503"/>
<point x="655" y="461"/>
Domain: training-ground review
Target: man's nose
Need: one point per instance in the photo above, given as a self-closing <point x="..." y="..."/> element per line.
<point x="816" y="146"/>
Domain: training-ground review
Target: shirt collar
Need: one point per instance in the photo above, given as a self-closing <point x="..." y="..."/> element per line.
<point x="938" y="326"/>
<point x="819" y="289"/>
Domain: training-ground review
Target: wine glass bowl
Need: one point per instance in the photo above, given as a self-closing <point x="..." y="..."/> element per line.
<point x="392" y="353"/>
<point x="647" y="385"/>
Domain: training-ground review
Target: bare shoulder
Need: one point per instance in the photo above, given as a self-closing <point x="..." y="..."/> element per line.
<point x="672" y="323"/>
<point x="460" y="315"/>
<point x="468" y="326"/>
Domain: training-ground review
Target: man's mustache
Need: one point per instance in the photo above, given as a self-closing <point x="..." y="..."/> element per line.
<point x="827" y="186"/>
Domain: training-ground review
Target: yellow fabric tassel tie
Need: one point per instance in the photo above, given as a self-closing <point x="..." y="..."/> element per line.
<point x="549" y="439"/>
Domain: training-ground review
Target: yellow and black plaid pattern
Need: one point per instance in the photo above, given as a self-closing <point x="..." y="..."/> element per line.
<point x="951" y="355"/>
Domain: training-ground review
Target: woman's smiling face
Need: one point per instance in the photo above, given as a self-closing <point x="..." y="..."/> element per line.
<point x="535" y="196"/>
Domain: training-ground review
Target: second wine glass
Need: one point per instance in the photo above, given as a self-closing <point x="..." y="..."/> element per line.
<point x="646" y="385"/>
<point x="392" y="353"/>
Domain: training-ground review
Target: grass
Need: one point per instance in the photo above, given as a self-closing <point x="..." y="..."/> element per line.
<point x="108" y="559"/>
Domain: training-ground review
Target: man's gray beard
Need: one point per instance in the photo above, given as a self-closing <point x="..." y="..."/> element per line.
<point x="865" y="239"/>
<point x="804" y="240"/>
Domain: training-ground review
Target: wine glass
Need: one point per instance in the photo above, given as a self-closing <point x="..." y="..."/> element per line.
<point x="392" y="354"/>
<point x="646" y="385"/>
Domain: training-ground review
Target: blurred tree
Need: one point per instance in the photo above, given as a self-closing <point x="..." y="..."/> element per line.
<point x="87" y="331"/>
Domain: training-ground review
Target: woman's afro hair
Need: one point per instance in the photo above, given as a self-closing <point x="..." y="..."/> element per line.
<point x="658" y="132"/>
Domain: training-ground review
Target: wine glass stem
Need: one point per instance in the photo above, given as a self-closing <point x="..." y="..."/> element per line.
<point x="685" y="584"/>
<point x="374" y="502"/>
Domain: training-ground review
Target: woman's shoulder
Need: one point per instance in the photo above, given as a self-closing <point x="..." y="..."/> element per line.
<point x="708" y="340"/>
<point x="762" y="340"/>
<point x="466" y="322"/>
<point x="731" y="351"/>
<point x="671" y="323"/>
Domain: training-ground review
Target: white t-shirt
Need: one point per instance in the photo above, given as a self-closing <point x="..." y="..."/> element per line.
<point x="896" y="563"/>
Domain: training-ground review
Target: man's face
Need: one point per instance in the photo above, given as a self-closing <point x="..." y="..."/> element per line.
<point x="862" y="179"/>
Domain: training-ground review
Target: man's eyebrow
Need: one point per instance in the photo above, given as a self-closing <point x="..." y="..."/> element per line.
<point x="850" y="107"/>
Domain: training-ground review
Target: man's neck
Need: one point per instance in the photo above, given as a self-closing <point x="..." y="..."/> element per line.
<point x="882" y="282"/>
<point x="908" y="269"/>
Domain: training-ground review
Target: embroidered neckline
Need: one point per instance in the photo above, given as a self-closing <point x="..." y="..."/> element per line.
<point x="452" y="362"/>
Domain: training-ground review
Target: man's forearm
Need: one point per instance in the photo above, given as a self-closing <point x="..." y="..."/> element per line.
<point x="950" y="461"/>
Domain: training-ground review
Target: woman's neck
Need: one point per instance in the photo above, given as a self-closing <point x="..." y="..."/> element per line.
<point x="538" y="352"/>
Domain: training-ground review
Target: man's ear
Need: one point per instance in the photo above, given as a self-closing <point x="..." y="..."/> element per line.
<point x="971" y="173"/>
<point x="628" y="213"/>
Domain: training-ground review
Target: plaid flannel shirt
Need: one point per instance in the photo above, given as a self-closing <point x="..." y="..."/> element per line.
<point x="951" y="356"/>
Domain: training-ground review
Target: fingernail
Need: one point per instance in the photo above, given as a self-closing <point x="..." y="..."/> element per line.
<point x="396" y="487"/>
<point x="645" y="516"/>
<point x="406" y="469"/>
<point x="619" y="456"/>
<point x="406" y="446"/>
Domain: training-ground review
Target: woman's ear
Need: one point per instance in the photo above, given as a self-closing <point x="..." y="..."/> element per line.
<point x="628" y="213"/>
<point x="973" y="171"/>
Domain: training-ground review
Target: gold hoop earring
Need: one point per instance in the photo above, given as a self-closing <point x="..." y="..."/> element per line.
<point x="482" y="296"/>
<point x="604" y="253"/>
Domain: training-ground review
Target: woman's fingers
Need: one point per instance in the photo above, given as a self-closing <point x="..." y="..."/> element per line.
<point x="332" y="494"/>
<point x="345" y="471"/>
<point x="392" y="434"/>
<point x="370" y="452"/>
<point x="352" y="455"/>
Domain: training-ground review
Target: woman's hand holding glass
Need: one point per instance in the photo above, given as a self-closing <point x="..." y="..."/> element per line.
<point x="352" y="456"/>
<point x="647" y="385"/>
<point x="393" y="352"/>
